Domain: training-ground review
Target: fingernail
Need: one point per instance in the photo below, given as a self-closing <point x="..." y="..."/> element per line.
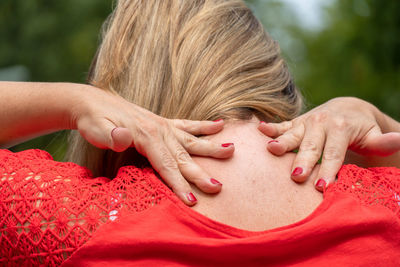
<point x="227" y="144"/>
<point x="191" y="197"/>
<point x="273" y="141"/>
<point x="321" y="184"/>
<point x="213" y="181"/>
<point x="112" y="132"/>
<point x="218" y="120"/>
<point x="297" y="171"/>
<point x="262" y="122"/>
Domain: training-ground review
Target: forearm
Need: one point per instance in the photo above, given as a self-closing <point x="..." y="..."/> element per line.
<point x="31" y="109"/>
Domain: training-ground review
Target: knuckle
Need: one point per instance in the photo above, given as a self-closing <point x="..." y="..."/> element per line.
<point x="160" y="124"/>
<point x="296" y="135"/>
<point x="181" y="124"/>
<point x="340" y="123"/>
<point x="319" y="117"/>
<point x="331" y="153"/>
<point x="189" y="142"/>
<point x="148" y="131"/>
<point x="286" y="125"/>
<point x="182" y="157"/>
<point x="309" y="146"/>
<point x="174" y="122"/>
<point x="167" y="162"/>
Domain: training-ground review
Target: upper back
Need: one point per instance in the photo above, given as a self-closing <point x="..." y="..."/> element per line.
<point x="257" y="192"/>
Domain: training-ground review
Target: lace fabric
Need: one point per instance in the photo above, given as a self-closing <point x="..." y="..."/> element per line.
<point x="49" y="209"/>
<point x="372" y="186"/>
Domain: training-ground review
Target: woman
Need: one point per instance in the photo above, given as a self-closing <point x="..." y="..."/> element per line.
<point x="214" y="61"/>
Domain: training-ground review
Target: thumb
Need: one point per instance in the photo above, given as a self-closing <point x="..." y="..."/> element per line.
<point x="121" y="139"/>
<point x="384" y="144"/>
<point x="105" y="135"/>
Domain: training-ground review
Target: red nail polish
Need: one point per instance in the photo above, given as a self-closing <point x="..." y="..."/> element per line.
<point x="297" y="171"/>
<point x="321" y="184"/>
<point x="262" y="122"/>
<point x="227" y="144"/>
<point x="273" y="141"/>
<point x="191" y="197"/>
<point x="218" y="120"/>
<point x="213" y="181"/>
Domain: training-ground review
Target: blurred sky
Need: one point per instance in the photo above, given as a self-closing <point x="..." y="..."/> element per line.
<point x="309" y="12"/>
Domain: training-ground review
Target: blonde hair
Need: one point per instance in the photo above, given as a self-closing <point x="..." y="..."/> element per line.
<point x="187" y="59"/>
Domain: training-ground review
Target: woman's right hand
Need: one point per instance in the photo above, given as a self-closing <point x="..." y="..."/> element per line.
<point x="109" y="121"/>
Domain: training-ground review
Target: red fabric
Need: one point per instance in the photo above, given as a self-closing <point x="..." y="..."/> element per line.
<point x="50" y="210"/>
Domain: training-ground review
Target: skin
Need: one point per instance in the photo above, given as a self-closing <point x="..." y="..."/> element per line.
<point x="328" y="131"/>
<point x="257" y="193"/>
<point x="109" y="121"/>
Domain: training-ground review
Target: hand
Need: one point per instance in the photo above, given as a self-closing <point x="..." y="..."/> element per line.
<point x="109" y="121"/>
<point x="329" y="130"/>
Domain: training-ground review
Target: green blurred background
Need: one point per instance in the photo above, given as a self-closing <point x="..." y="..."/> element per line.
<point x="351" y="48"/>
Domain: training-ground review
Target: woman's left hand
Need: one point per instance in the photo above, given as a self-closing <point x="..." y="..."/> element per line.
<point x="329" y="130"/>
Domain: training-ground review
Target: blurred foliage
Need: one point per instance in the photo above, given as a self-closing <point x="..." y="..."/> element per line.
<point x="355" y="53"/>
<point x="55" y="41"/>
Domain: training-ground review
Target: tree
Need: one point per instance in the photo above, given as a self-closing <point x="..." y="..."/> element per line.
<point x="356" y="54"/>
<point x="55" y="41"/>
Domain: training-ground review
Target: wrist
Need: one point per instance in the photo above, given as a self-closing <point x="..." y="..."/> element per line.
<point x="78" y="103"/>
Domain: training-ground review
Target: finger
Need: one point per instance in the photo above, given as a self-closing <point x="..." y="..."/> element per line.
<point x="104" y="134"/>
<point x="202" y="147"/>
<point x="310" y="151"/>
<point x="314" y="173"/>
<point x="164" y="163"/>
<point x="189" y="169"/>
<point x="288" y="141"/>
<point x="332" y="159"/>
<point x="199" y="127"/>
<point x="121" y="139"/>
<point x="382" y="144"/>
<point x="275" y="129"/>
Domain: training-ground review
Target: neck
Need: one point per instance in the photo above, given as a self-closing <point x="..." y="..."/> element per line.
<point x="257" y="192"/>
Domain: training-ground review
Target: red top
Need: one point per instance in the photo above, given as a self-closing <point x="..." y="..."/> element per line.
<point x="50" y="210"/>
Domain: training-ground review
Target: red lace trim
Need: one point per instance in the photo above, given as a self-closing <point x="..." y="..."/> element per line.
<point x="49" y="209"/>
<point x="373" y="186"/>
